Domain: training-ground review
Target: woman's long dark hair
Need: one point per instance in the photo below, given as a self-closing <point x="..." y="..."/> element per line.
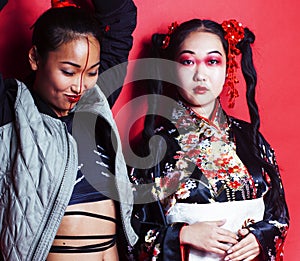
<point x="250" y="76"/>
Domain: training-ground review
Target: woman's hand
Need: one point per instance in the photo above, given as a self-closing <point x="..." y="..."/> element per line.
<point x="247" y="249"/>
<point x="208" y="236"/>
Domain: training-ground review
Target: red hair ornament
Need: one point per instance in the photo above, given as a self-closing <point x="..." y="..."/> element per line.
<point x="234" y="33"/>
<point x="171" y="29"/>
<point x="62" y="3"/>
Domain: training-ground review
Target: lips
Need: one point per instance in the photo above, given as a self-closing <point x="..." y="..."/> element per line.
<point x="73" y="98"/>
<point x="200" y="90"/>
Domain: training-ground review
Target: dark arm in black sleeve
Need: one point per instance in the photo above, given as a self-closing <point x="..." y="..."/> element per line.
<point x="3" y="3"/>
<point x="272" y="231"/>
<point x="117" y="19"/>
<point x="2" y="101"/>
<point x="8" y="92"/>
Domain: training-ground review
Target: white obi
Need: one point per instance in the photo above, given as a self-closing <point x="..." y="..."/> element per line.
<point x="235" y="213"/>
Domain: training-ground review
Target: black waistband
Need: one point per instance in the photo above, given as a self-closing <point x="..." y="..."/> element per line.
<point x="89" y="214"/>
<point x="87" y="248"/>
<point x="84" y="249"/>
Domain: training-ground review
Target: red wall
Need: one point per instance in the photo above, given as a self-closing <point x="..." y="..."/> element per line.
<point x="276" y="53"/>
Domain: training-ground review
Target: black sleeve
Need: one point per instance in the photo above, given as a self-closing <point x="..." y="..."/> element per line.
<point x="117" y="19"/>
<point x="272" y="231"/>
<point x="8" y="92"/>
<point x="157" y="239"/>
<point x="3" y="3"/>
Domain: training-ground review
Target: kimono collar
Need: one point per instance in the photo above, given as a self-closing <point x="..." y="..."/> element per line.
<point x="185" y="118"/>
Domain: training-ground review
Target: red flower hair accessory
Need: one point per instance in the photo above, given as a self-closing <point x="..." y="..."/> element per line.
<point x="62" y="3"/>
<point x="171" y="28"/>
<point x="234" y="34"/>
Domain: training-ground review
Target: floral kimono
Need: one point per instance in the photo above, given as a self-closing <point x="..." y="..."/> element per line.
<point x="206" y="161"/>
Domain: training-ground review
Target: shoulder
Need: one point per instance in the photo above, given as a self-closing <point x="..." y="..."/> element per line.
<point x="8" y="88"/>
<point x="168" y="133"/>
<point x="238" y="124"/>
<point x="243" y="130"/>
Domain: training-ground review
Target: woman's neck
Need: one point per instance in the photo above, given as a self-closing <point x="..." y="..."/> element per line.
<point x="204" y="111"/>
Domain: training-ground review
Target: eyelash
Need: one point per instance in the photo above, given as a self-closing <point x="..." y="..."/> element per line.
<point x="187" y="62"/>
<point x="92" y="74"/>
<point x="67" y="73"/>
<point x="214" y="61"/>
<point x="191" y="62"/>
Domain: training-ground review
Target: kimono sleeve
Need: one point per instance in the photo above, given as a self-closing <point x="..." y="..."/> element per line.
<point x="157" y="240"/>
<point x="117" y="20"/>
<point x="272" y="231"/>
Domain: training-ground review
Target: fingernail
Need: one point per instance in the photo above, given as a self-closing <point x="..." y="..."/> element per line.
<point x="226" y="258"/>
<point x="229" y="251"/>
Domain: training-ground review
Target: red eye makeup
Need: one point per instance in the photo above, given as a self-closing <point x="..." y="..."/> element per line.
<point x="211" y="59"/>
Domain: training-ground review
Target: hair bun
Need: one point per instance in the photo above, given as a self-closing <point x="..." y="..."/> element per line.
<point x="157" y="40"/>
<point x="249" y="37"/>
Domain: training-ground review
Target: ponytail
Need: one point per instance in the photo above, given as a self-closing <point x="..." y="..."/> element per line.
<point x="154" y="87"/>
<point x="250" y="77"/>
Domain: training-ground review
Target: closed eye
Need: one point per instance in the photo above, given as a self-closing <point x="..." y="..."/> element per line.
<point x="93" y="74"/>
<point x="68" y="73"/>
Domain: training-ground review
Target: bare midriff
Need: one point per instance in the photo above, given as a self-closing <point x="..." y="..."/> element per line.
<point x="82" y="225"/>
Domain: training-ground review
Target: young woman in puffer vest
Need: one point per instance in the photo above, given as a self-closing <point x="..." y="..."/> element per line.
<point x="63" y="174"/>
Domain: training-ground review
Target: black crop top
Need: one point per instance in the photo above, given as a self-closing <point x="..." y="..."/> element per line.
<point x="95" y="176"/>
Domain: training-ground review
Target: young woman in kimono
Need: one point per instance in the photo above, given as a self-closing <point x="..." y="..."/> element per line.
<point x="212" y="190"/>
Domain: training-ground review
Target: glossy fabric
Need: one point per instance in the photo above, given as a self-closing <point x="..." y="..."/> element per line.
<point x="157" y="239"/>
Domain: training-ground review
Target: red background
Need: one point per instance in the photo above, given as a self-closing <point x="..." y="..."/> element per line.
<point x="276" y="54"/>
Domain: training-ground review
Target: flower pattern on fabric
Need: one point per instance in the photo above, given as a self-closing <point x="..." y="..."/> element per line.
<point x="184" y="190"/>
<point x="206" y="145"/>
<point x="150" y="248"/>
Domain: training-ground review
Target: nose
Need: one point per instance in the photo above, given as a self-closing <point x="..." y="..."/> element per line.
<point x="78" y="85"/>
<point x="200" y="73"/>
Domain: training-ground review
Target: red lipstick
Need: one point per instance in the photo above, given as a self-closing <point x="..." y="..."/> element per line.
<point x="73" y="98"/>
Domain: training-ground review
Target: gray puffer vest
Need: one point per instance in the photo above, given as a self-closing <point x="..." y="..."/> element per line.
<point x="39" y="162"/>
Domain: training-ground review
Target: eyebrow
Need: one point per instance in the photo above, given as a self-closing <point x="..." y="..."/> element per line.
<point x="78" y="66"/>
<point x="191" y="52"/>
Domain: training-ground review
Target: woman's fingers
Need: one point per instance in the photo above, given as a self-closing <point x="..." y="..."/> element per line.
<point x="246" y="249"/>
